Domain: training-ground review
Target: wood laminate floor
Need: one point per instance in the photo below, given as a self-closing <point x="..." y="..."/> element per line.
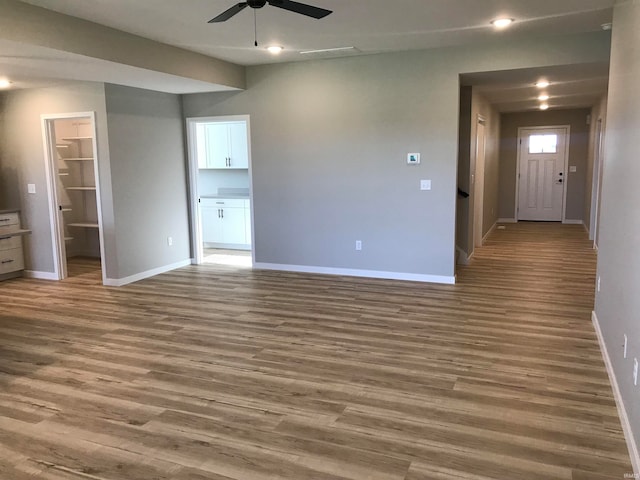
<point x="216" y="373"/>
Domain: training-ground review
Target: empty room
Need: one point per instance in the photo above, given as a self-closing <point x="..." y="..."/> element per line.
<point x="320" y="240"/>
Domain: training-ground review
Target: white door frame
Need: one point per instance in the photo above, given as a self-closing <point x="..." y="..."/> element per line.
<point x="521" y="134"/>
<point x="478" y="185"/>
<point x="596" y="184"/>
<point x="50" y="159"/>
<point x="194" y="194"/>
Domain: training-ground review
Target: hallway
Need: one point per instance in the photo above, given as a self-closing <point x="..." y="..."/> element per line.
<point x="219" y="373"/>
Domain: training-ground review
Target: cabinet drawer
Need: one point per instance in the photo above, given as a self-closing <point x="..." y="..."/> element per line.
<point x="7" y="219"/>
<point x="223" y="202"/>
<point x="9" y="243"/>
<point x="11" y="260"/>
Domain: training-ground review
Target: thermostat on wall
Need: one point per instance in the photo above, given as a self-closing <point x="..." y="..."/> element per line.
<point x="413" y="158"/>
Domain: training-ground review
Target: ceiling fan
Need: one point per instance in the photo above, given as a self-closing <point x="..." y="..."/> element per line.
<point x="296" y="7"/>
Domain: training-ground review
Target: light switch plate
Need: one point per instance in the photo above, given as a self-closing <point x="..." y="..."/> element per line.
<point x="425" y="184"/>
<point x="413" y="158"/>
<point x="573" y="169"/>
<point x="31" y="187"/>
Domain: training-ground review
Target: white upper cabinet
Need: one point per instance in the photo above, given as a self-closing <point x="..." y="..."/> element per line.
<point x="222" y="145"/>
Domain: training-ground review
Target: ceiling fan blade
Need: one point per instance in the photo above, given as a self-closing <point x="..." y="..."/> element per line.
<point x="304" y="9"/>
<point x="227" y="14"/>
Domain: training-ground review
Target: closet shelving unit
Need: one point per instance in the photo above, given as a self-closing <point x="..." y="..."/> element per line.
<point x="77" y="190"/>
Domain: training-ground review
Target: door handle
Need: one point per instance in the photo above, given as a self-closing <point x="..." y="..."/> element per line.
<point x="222" y="212"/>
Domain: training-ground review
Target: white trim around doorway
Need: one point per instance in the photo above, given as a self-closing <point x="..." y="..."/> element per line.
<point x="58" y="248"/>
<point x="195" y="226"/>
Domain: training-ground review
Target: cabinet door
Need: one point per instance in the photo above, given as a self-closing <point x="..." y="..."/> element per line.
<point x="211" y="225"/>
<point x="238" y="147"/>
<point x="233" y="221"/>
<point x="217" y="145"/>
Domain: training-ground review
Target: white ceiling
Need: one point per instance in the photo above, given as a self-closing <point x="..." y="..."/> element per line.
<point x="372" y="26"/>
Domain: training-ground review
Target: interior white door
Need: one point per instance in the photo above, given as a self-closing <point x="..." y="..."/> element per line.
<point x="478" y="197"/>
<point x="542" y="176"/>
<point x="596" y="190"/>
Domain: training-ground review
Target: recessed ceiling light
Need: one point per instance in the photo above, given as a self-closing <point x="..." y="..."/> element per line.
<point x="606" y="26"/>
<point x="502" y="22"/>
<point x="542" y="84"/>
<point x="543" y="97"/>
<point x="544" y="106"/>
<point x="275" y="49"/>
<point x="4" y="83"/>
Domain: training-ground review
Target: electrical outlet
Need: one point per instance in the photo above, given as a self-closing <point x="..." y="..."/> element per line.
<point x="170" y="241"/>
<point x="358" y="245"/>
<point x="624" y="347"/>
<point x="635" y="371"/>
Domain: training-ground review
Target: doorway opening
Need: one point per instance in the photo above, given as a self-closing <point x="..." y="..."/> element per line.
<point x="221" y="190"/>
<point x="74" y="194"/>
<point x="543" y="157"/>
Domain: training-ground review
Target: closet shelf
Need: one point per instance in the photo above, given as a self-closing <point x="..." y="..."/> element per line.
<point x="63" y="174"/>
<point x="78" y="159"/>
<point x="68" y="239"/>
<point x="69" y="139"/>
<point x="81" y="188"/>
<point x="83" y="225"/>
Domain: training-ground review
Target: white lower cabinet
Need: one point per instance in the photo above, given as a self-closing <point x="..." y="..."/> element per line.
<point x="11" y="254"/>
<point x="224" y="222"/>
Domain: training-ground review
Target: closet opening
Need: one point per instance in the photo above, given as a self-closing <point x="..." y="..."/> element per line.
<point x="74" y="195"/>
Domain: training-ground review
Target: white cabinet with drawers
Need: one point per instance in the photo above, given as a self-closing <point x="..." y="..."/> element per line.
<point x="224" y="222"/>
<point x="11" y="253"/>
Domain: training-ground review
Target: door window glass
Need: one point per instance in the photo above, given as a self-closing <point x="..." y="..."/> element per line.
<point x="543" y="143"/>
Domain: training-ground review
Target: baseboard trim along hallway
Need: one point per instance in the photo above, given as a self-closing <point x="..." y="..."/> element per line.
<point x="622" y="411"/>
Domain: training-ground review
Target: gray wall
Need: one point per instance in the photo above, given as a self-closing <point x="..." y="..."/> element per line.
<point x="618" y="302"/>
<point x="22" y="153"/>
<point x="330" y="139"/>
<point x="578" y="156"/>
<point x="149" y="178"/>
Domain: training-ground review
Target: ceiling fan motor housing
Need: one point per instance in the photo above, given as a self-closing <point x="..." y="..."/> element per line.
<point x="257" y="3"/>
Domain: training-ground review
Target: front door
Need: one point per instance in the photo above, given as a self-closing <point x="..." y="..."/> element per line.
<point x="543" y="152"/>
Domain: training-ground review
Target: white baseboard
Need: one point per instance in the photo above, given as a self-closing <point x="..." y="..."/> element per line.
<point x="119" y="282"/>
<point x="622" y="412"/>
<point x="573" y="222"/>
<point x="462" y="258"/>
<point x="507" y="220"/>
<point x="410" y="277"/>
<point x="40" y="275"/>
<point x="489" y="232"/>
